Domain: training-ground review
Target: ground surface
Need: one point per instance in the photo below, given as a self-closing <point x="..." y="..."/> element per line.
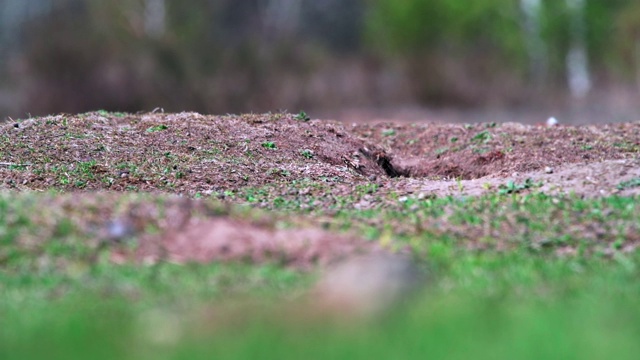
<point x="272" y="160"/>
<point x="191" y="154"/>
<point x="201" y="236"/>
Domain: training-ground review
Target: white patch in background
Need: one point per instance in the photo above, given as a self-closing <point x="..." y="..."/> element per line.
<point x="577" y="60"/>
<point x="155" y="13"/>
<point x="536" y="48"/>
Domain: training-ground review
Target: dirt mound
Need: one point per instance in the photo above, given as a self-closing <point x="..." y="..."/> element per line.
<point x="286" y="162"/>
<point x="194" y="231"/>
<point x="200" y="155"/>
<point x="453" y="151"/>
<point x="225" y="239"/>
<point x="605" y="178"/>
<point x="148" y="228"/>
<point x="183" y="153"/>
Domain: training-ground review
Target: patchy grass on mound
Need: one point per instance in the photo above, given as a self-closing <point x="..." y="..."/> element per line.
<point x="183" y="153"/>
<point x="198" y="155"/>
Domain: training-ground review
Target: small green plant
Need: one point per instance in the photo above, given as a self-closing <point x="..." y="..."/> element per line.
<point x="302" y="116"/>
<point x="635" y="182"/>
<point x="18" y="167"/>
<point x="86" y="168"/>
<point x="64" y="179"/>
<point x="169" y="155"/>
<point x="388" y="132"/>
<point x="441" y="151"/>
<point x="108" y="181"/>
<point x="367" y="189"/>
<point x="454" y="139"/>
<point x="279" y="172"/>
<point x="482" y="137"/>
<point x="511" y="187"/>
<point x="269" y="145"/>
<point x="157" y="128"/>
<point x="626" y="146"/>
<point x="307" y="153"/>
<point x="481" y="150"/>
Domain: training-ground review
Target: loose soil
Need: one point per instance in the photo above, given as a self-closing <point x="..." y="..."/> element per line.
<point x="231" y="157"/>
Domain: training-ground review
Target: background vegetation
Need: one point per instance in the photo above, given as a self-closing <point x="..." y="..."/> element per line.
<point x="227" y="56"/>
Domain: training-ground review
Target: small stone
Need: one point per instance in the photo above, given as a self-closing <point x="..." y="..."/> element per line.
<point x="403" y="199"/>
<point x="548" y="170"/>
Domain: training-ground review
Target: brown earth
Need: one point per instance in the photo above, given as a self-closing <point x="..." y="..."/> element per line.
<point x="190" y="153"/>
<point x="288" y="158"/>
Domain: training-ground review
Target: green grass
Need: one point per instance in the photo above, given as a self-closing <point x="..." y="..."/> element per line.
<point x="157" y="128"/>
<point x="269" y="145"/>
<point x="302" y="116"/>
<point x="485" y="309"/>
<point x="629" y="184"/>
<point x="518" y="276"/>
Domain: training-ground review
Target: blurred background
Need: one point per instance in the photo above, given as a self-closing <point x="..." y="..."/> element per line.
<point x="518" y="60"/>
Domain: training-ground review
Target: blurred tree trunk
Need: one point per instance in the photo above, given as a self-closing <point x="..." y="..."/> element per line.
<point x="577" y="61"/>
<point x="15" y="13"/>
<point x="628" y="34"/>
<point x="155" y="18"/>
<point x="534" y="43"/>
<point x="281" y="17"/>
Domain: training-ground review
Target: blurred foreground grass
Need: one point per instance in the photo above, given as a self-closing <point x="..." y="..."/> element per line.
<point x="525" y="300"/>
